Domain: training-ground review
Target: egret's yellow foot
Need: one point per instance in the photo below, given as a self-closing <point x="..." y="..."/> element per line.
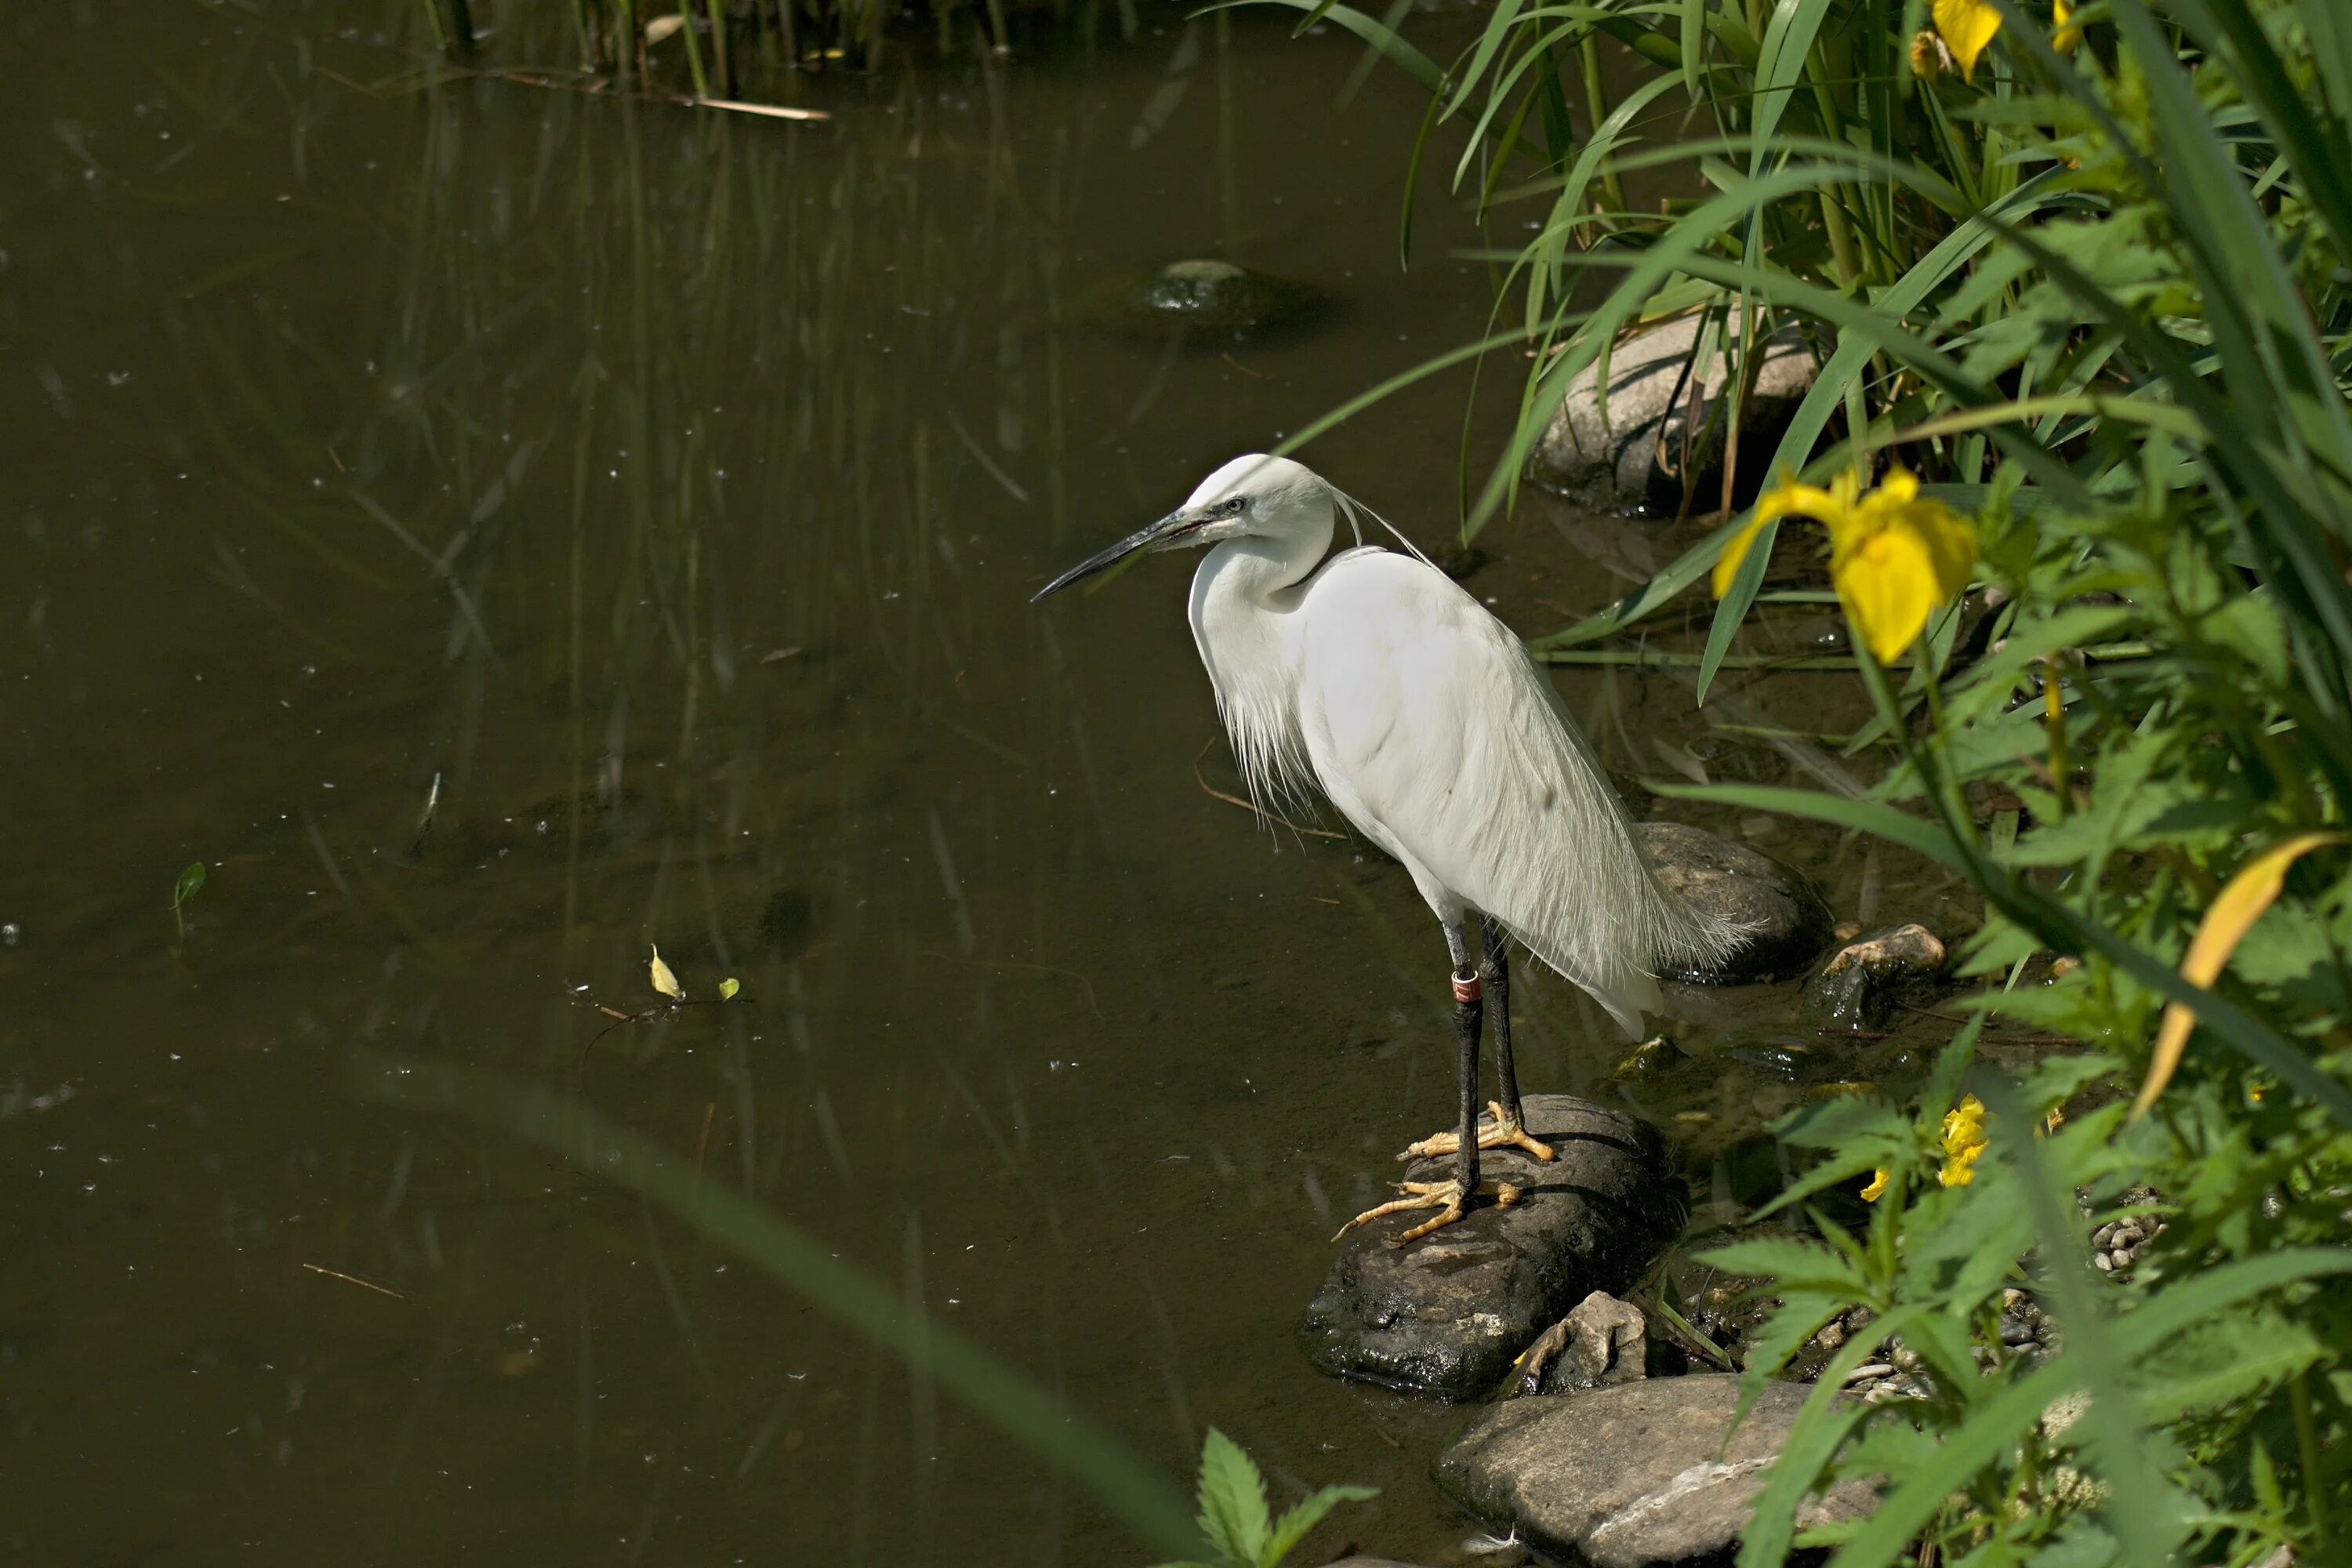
<point x="1446" y="1197"/>
<point x="1497" y="1130"/>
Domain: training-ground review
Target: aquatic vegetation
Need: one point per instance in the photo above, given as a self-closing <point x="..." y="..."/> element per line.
<point x="184" y="889"/>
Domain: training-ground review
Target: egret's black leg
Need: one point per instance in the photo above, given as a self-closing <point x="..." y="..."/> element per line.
<point x="1452" y="1199"/>
<point x="1504" y="1125"/>
<point x="1469" y="1015"/>
<point x="1509" y="1127"/>
<point x="1497" y="975"/>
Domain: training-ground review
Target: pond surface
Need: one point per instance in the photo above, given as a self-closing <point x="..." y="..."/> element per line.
<point x="495" y="530"/>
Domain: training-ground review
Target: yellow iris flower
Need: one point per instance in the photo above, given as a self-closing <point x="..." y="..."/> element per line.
<point x="1895" y="556"/>
<point x="1968" y="26"/>
<point x="1964" y="1141"/>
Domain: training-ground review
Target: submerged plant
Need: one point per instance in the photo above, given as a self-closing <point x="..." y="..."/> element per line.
<point x="185" y="890"/>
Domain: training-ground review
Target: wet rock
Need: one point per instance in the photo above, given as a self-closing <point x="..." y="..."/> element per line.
<point x="1602" y="1343"/>
<point x="1625" y="452"/>
<point x="1216" y="299"/>
<point x="1447" y="1314"/>
<point x="1631" y="1476"/>
<point x="1652" y="1061"/>
<point x="1859" y="986"/>
<point x="1788" y="920"/>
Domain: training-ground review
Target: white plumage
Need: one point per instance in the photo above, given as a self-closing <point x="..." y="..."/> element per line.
<point x="1422" y="720"/>
<point x="1378" y="681"/>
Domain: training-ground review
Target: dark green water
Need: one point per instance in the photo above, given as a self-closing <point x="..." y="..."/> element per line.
<point x="670" y="487"/>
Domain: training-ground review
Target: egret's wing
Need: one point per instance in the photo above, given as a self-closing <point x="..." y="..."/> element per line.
<point x="1428" y="724"/>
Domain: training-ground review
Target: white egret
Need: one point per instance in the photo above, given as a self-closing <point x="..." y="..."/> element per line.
<point x="1421" y="718"/>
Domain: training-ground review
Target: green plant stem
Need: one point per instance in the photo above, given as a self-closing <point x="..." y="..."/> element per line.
<point x="721" y="57"/>
<point x="2306" y="1441"/>
<point x="694" y="56"/>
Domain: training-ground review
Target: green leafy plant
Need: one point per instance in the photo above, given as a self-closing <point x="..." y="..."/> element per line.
<point x="183" y="892"/>
<point x="1235" y="1520"/>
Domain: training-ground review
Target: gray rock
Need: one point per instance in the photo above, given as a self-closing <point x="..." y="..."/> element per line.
<point x="1631" y="1476"/>
<point x="1447" y="1314"/>
<point x="1216" y="298"/>
<point x="1863" y="981"/>
<point x="1602" y="1341"/>
<point x="1625" y="452"/>
<point x="1789" y="922"/>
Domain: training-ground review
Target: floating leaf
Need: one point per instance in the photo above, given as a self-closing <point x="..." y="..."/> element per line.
<point x="2238" y="906"/>
<point x="727" y="987"/>
<point x="664" y="981"/>
<point x="190" y="883"/>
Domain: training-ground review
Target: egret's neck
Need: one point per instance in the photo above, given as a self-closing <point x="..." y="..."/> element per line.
<point x="1242" y="597"/>
<point x="1244" y="589"/>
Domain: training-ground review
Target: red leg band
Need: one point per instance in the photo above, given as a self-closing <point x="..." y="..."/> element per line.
<point x="1467" y="989"/>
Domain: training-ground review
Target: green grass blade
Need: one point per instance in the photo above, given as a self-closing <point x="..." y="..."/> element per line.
<point x="1874" y="818"/>
<point x="798" y="1261"/>
<point x="1788" y="42"/>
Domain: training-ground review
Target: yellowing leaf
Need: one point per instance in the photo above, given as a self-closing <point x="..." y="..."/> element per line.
<point x="727" y="987"/>
<point x="660" y="27"/>
<point x="1968" y="25"/>
<point x="2235" y="909"/>
<point x="664" y="981"/>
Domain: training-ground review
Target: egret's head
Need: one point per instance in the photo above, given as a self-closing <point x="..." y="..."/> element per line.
<point x="1267" y="498"/>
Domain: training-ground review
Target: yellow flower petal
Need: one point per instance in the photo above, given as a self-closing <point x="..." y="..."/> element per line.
<point x="1887" y="583"/>
<point x="1877" y="1188"/>
<point x="1968" y="25"/>
<point x="1895" y="558"/>
<point x="2065" y="39"/>
<point x="1788" y="499"/>
<point x="1726" y="565"/>
<point x="1964" y="1140"/>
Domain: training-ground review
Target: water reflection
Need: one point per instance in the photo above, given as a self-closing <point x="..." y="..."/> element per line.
<point x="669" y="487"/>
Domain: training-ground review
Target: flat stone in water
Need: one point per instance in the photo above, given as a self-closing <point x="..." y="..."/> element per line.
<point x="1447" y="1313"/>
<point x="1632" y="1476"/>
<point x="1790" y="920"/>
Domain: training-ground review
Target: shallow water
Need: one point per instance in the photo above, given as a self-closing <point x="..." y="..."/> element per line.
<point x="669" y="488"/>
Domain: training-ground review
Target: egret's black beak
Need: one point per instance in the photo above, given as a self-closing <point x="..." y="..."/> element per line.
<point x="1172" y="527"/>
